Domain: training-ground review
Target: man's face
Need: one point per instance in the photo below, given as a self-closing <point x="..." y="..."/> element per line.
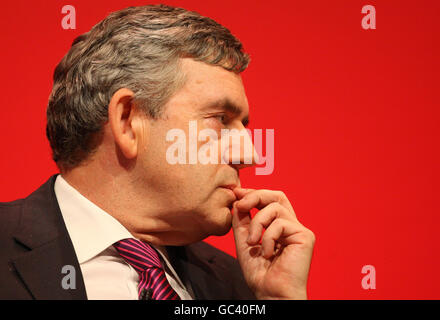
<point x="193" y="200"/>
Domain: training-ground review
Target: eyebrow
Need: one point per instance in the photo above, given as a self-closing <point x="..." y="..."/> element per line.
<point x="228" y="105"/>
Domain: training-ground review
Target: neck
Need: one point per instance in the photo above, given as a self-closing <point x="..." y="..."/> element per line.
<point x="117" y="193"/>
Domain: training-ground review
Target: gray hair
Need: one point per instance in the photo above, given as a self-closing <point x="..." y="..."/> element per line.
<point x="136" y="48"/>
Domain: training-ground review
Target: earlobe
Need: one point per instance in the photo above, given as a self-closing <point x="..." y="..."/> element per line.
<point x="121" y="111"/>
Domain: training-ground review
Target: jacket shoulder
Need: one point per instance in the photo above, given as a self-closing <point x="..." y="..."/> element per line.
<point x="10" y="213"/>
<point x="4" y="206"/>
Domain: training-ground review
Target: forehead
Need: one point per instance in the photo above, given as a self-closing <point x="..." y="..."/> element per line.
<point x="207" y="85"/>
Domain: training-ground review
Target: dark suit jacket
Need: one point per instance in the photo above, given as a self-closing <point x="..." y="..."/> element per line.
<point x="35" y="245"/>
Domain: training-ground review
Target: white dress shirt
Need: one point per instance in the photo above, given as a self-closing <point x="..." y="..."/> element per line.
<point x="93" y="232"/>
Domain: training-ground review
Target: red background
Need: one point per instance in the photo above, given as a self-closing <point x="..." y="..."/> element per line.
<point x="355" y="113"/>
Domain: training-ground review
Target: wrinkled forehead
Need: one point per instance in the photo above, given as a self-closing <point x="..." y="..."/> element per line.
<point x="207" y="85"/>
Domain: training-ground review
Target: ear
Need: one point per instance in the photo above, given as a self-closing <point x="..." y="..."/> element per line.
<point x="123" y="124"/>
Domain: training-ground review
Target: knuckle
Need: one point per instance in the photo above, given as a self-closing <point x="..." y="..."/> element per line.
<point x="276" y="206"/>
<point x="280" y="223"/>
<point x="274" y="226"/>
<point x="311" y="236"/>
<point x="281" y="195"/>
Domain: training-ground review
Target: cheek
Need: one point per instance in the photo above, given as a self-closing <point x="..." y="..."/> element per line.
<point x="186" y="182"/>
<point x="198" y="185"/>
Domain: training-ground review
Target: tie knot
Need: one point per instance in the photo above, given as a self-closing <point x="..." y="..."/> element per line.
<point x="140" y="255"/>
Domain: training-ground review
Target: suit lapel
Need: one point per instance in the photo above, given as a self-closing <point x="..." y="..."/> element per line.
<point x="197" y="271"/>
<point x="42" y="231"/>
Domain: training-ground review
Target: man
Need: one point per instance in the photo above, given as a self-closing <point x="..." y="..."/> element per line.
<point x="120" y="221"/>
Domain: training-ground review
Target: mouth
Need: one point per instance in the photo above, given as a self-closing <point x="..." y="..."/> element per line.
<point x="231" y="186"/>
<point x="228" y="189"/>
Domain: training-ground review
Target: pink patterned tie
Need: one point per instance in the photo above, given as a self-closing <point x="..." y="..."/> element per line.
<point x="145" y="260"/>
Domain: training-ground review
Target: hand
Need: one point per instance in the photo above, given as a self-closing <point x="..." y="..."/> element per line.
<point x="277" y="268"/>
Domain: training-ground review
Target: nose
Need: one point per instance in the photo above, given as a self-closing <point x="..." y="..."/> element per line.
<point x="238" y="149"/>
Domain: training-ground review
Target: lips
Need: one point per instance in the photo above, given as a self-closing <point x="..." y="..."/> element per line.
<point x="231" y="186"/>
<point x="228" y="188"/>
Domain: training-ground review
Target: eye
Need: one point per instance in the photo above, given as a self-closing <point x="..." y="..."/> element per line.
<point x="221" y="118"/>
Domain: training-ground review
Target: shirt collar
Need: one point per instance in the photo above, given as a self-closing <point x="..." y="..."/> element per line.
<point x="91" y="229"/>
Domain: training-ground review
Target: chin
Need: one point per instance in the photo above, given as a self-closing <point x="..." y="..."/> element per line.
<point x="222" y="224"/>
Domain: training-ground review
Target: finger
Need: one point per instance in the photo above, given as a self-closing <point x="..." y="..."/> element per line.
<point x="241" y="192"/>
<point x="264" y="218"/>
<point x="261" y="198"/>
<point x="271" y="236"/>
<point x="286" y="232"/>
